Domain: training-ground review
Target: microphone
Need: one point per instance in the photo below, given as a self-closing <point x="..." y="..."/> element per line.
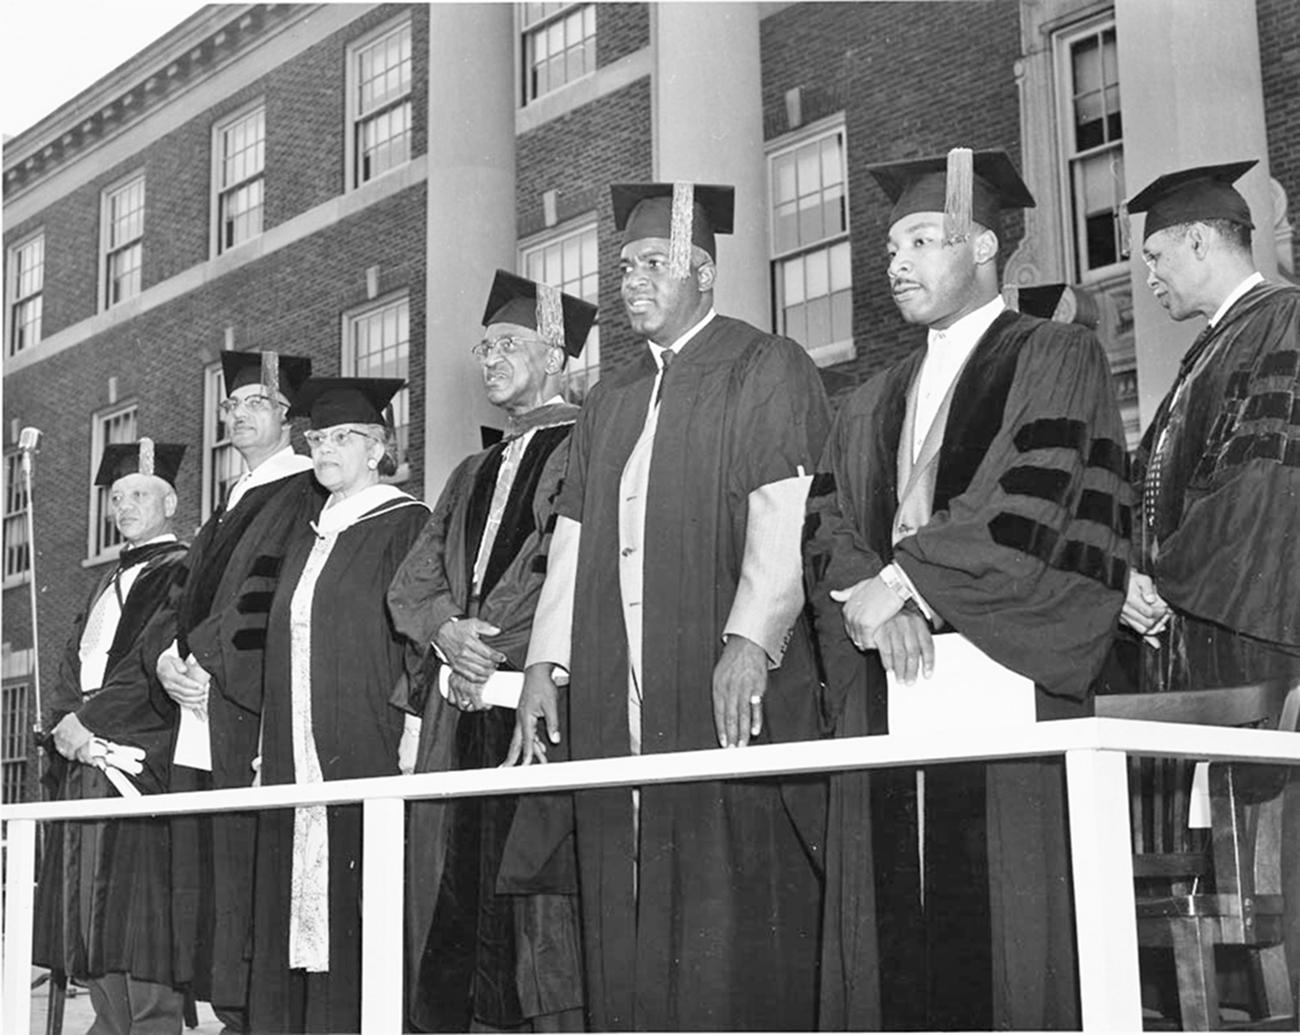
<point x="29" y="440"/>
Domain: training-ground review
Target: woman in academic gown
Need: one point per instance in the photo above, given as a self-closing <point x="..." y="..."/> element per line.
<point x="332" y="659"/>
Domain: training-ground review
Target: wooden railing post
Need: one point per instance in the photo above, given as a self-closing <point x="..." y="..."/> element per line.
<point x="382" y="964"/>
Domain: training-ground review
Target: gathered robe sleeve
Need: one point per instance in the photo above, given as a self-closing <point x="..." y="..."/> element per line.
<point x="1241" y="514"/>
<point x="783" y="417"/>
<point x="1029" y="561"/>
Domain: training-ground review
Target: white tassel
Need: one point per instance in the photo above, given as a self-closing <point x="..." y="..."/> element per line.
<point x="146" y="456"/>
<point x="957" y="195"/>
<point x="679" y="250"/>
<point x="550" y="315"/>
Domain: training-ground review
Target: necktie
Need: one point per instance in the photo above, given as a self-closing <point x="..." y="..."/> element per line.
<point x="665" y="361"/>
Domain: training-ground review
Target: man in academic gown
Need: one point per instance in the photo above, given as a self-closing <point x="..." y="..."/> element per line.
<point x="1217" y="590"/>
<point x="676" y="557"/>
<point x="104" y="898"/>
<point x="209" y="662"/>
<point x="464" y="599"/>
<point x="975" y="487"/>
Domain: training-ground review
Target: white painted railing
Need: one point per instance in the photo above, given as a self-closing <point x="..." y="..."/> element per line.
<point x="1095" y="753"/>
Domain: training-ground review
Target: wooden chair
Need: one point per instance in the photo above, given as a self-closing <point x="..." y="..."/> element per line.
<point x="1201" y="890"/>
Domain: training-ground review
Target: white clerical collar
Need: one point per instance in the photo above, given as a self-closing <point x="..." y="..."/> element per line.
<point x="1234" y="294"/>
<point x="278" y="465"/>
<point x="338" y="514"/>
<point x="681" y="343"/>
<point x="165" y="537"/>
<point x="962" y="336"/>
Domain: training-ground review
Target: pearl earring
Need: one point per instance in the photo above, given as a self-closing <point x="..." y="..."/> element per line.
<point x="372" y="464"/>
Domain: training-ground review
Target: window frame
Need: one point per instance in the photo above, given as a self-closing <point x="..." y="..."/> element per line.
<point x="99" y="425"/>
<point x="1073" y="217"/>
<point x="587" y="365"/>
<point x="14" y="299"/>
<point x="12" y="476"/>
<point x="106" y="250"/>
<point x="355" y="118"/>
<point x="526" y="32"/>
<point x="219" y="192"/>
<point x="840" y="350"/>
<point x="215" y="441"/>
<point x="348" y="367"/>
<point x="15" y="735"/>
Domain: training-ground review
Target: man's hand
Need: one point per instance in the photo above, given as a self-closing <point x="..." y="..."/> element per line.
<point x="186" y="683"/>
<point x="70" y="736"/>
<point x="739" y="683"/>
<point x="466" y="694"/>
<point x="1144" y="611"/>
<point x="866" y="606"/>
<point x="461" y="643"/>
<point x="905" y="646"/>
<point x="537" y="700"/>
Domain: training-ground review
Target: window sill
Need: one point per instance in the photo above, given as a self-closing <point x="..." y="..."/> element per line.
<point x="14" y="581"/>
<point x="107" y="557"/>
<point x="834" y="352"/>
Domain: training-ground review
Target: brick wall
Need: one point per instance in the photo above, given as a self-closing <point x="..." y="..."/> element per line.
<point x="912" y="79"/>
<point x="292" y="300"/>
<point x="579" y="155"/>
<point x="1279" y="53"/>
<point x="621" y="29"/>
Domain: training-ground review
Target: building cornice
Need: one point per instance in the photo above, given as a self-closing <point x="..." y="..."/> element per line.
<point x="208" y="40"/>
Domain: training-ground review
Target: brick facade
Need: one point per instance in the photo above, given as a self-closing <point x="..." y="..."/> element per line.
<point x="621" y="29"/>
<point x="1279" y="61"/>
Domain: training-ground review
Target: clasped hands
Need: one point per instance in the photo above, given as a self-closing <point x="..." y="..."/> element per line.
<point x="1145" y="611"/>
<point x="186" y="682"/>
<point x="874" y="619"/>
<point x="472" y="661"/>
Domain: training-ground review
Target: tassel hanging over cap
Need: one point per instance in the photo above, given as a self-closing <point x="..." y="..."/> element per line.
<point x="550" y="315"/>
<point x="957" y="195"/>
<point x="271" y="373"/>
<point x="679" y="251"/>
<point x="146" y="456"/>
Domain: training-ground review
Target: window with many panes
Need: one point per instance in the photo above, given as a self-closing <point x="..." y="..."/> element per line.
<point x="568" y="260"/>
<point x="15" y="720"/>
<point x="1092" y="139"/>
<point x="379" y="102"/>
<point x="222" y="464"/>
<point x="122" y="240"/>
<point x="239" y="152"/>
<point x="108" y="427"/>
<point x="559" y="45"/>
<point x="17" y="551"/>
<point x="812" y="280"/>
<point x="377" y="343"/>
<point x="25" y="288"/>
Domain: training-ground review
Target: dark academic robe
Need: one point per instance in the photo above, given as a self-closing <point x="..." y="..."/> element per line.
<point x="1025" y="555"/>
<point x="356" y="659"/>
<point x="463" y="936"/>
<point x="219" y="615"/>
<point x="1220" y="529"/>
<point x="104" y="896"/>
<point x="721" y="931"/>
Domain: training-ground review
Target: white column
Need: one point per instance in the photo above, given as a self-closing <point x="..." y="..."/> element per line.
<point x="1192" y="95"/>
<point x="471" y="217"/>
<point x="708" y="128"/>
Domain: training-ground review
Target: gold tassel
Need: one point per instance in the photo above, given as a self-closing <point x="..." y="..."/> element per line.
<point x="679" y="250"/>
<point x="1011" y="296"/>
<point x="146" y="456"/>
<point x="957" y="195"/>
<point x="271" y="373"/>
<point x="550" y="315"/>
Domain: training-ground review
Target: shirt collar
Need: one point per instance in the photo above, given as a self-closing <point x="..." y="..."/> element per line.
<point x="1234" y="294"/>
<point x="278" y="465"/>
<point x="681" y="343"/>
<point x="964" y="333"/>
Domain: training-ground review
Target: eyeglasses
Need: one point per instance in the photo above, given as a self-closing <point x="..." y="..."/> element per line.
<point x="503" y="346"/>
<point x="336" y="437"/>
<point x="252" y="403"/>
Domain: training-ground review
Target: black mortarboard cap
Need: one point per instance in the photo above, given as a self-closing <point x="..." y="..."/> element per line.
<point x="1189" y="195"/>
<point x="702" y="210"/>
<point x="559" y="318"/>
<point x="161" y="459"/>
<point x="1040" y="299"/>
<point x="286" y="372"/>
<point x="922" y="185"/>
<point x="346" y="400"/>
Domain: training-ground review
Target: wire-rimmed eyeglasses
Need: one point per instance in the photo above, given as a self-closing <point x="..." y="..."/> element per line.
<point x="504" y="346"/>
<point x="336" y="437"/>
<point x="251" y="403"/>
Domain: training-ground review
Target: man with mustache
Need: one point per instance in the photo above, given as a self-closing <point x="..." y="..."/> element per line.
<point x="464" y="598"/>
<point x="976" y="487"/>
<point x="1217" y="595"/>
<point x="673" y="596"/>
<point x="208" y="649"/>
